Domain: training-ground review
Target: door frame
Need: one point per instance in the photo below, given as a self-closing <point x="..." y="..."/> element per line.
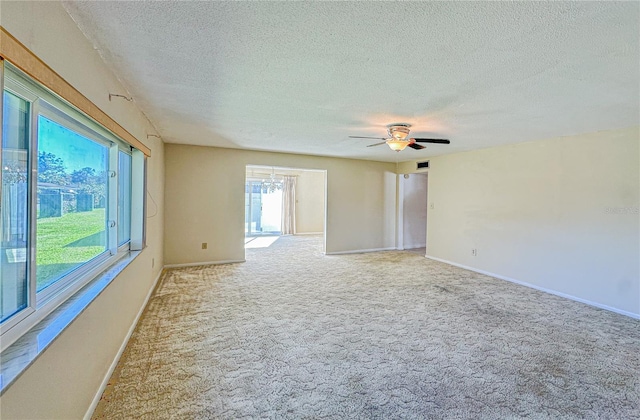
<point x="325" y="174"/>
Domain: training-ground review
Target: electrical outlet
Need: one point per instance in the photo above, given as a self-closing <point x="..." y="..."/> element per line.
<point x="474" y="252"/>
<point x="204" y="245"/>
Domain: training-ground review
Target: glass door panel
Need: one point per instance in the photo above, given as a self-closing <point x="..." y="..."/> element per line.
<point x="263" y="209"/>
<point x="256" y="208"/>
<point x="271" y="217"/>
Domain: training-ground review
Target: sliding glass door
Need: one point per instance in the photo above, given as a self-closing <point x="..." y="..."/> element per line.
<point x="263" y="208"/>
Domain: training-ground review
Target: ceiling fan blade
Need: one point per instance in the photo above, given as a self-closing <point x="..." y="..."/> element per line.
<point x="416" y="146"/>
<point x="360" y="137"/>
<point x="377" y="144"/>
<point x="439" y="141"/>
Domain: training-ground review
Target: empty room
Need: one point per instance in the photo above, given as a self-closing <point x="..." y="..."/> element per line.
<point x="319" y="210"/>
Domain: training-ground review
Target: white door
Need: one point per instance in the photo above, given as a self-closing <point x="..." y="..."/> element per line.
<point x="414" y="211"/>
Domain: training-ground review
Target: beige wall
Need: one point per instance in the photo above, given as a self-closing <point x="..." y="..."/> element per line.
<point x="62" y="382"/>
<point x="205" y="190"/>
<point x="537" y="213"/>
<point x="310" y="202"/>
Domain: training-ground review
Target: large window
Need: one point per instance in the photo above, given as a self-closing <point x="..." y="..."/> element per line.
<point x="66" y="201"/>
<point x="72" y="197"/>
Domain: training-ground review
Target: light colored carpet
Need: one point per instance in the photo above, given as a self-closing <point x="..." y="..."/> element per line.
<point x="295" y="334"/>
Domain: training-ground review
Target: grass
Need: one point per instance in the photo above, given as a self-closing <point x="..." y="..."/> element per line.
<point x="64" y="243"/>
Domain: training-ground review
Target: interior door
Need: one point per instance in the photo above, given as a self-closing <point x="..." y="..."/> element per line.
<point x="415" y="211"/>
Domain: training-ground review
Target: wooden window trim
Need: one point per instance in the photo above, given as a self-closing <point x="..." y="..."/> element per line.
<point x="20" y="56"/>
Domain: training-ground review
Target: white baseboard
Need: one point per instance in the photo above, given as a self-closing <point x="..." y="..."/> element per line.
<point x="204" y="263"/>
<point x="308" y="233"/>
<point x="414" y="246"/>
<point x="361" y="251"/>
<point x="112" y="367"/>
<point x="542" y="289"/>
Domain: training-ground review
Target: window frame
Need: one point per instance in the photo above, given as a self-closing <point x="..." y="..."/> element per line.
<point x="51" y="113"/>
<point x="127" y="151"/>
<point x="29" y="97"/>
<point x="55" y="108"/>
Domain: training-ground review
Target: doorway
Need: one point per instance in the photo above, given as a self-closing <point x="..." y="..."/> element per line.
<point x="414" y="212"/>
<point x="283" y="201"/>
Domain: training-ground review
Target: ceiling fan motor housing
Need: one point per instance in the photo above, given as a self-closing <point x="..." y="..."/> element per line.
<point x="398" y="131"/>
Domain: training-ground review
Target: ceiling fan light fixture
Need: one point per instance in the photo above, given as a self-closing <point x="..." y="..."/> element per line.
<point x="397" y="144"/>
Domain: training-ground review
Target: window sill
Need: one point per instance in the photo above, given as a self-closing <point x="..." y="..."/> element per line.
<point x="16" y="358"/>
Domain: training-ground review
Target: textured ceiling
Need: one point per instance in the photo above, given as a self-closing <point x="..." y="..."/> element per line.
<point x="301" y="77"/>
